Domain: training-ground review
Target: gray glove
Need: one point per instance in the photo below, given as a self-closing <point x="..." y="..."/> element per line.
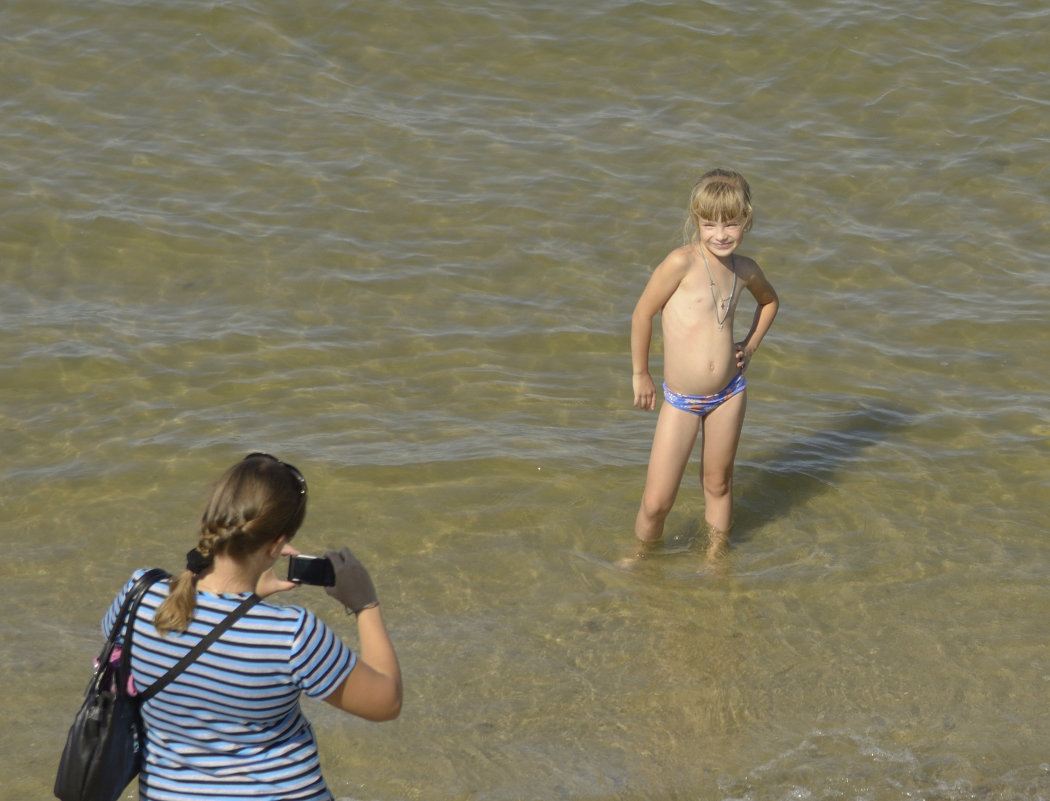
<point x="353" y="586"/>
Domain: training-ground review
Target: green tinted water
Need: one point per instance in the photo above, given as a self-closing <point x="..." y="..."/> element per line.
<point x="398" y="244"/>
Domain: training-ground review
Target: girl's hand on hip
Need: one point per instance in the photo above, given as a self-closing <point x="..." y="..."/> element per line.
<point x="743" y="356"/>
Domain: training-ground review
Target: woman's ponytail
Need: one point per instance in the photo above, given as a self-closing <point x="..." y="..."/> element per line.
<point x="257" y="500"/>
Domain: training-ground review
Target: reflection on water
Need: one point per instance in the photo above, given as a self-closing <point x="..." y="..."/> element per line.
<point x="399" y="244"/>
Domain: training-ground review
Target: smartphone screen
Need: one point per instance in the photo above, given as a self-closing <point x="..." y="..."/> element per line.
<point x="316" y="570"/>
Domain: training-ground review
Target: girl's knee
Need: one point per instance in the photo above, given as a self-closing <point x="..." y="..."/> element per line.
<point x="718" y="485"/>
<point x="656" y="508"/>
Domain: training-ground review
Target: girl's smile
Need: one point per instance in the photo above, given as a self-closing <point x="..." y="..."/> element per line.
<point x="721" y="238"/>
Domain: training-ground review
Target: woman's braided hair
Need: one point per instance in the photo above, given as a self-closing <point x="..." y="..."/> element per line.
<point x="256" y="501"/>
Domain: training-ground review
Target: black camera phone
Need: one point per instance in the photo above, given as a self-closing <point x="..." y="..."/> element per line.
<point x="317" y="570"/>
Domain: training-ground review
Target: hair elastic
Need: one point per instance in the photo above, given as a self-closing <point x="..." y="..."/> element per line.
<point x="196" y="562"/>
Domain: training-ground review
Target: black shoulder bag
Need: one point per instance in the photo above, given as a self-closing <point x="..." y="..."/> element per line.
<point x="103" y="750"/>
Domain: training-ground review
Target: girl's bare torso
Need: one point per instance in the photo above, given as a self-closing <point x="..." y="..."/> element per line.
<point x="699" y="357"/>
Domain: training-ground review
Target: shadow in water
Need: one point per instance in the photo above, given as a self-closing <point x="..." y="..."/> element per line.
<point x="807" y="466"/>
<point x="767" y="487"/>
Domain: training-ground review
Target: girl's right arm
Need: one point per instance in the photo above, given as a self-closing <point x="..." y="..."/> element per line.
<point x="662" y="284"/>
<point x="641" y="381"/>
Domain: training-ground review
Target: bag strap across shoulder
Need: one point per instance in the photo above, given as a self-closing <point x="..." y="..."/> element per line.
<point x="132" y="601"/>
<point x="197" y="650"/>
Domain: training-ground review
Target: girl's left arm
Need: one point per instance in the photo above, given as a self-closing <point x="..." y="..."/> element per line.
<point x="768" y="305"/>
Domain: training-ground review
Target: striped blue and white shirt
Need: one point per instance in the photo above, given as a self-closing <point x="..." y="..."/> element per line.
<point x="230" y="726"/>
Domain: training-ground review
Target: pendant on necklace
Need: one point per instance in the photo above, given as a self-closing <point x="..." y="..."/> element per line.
<point x="725" y="301"/>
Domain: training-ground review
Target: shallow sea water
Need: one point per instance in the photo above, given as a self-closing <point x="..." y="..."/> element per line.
<point x="398" y="244"/>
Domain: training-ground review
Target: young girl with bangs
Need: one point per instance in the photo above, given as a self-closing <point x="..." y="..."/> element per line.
<point x="696" y="289"/>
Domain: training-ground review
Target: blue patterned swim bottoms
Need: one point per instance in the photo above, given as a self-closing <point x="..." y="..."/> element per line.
<point x="703" y="405"/>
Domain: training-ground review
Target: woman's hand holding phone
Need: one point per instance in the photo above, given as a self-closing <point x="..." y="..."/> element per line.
<point x="268" y="582"/>
<point x="353" y="586"/>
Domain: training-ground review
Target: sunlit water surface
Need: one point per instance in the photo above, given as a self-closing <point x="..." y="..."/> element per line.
<point x="398" y="244"/>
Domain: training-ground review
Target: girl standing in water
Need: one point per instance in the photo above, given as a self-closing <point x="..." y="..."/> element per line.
<point x="697" y="288"/>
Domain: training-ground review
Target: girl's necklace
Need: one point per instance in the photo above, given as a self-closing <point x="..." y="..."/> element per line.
<point x="726" y="302"/>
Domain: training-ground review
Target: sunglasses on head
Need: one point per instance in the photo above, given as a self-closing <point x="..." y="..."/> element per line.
<point x="291" y="468"/>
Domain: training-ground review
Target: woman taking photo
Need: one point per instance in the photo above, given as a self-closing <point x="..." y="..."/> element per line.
<point x="229" y="726"/>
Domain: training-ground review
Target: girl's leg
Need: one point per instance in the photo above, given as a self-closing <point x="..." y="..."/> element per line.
<point x="721" y="436"/>
<point x="672" y="443"/>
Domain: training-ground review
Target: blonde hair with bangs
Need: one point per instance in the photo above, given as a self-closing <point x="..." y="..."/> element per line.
<point x="719" y="196"/>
